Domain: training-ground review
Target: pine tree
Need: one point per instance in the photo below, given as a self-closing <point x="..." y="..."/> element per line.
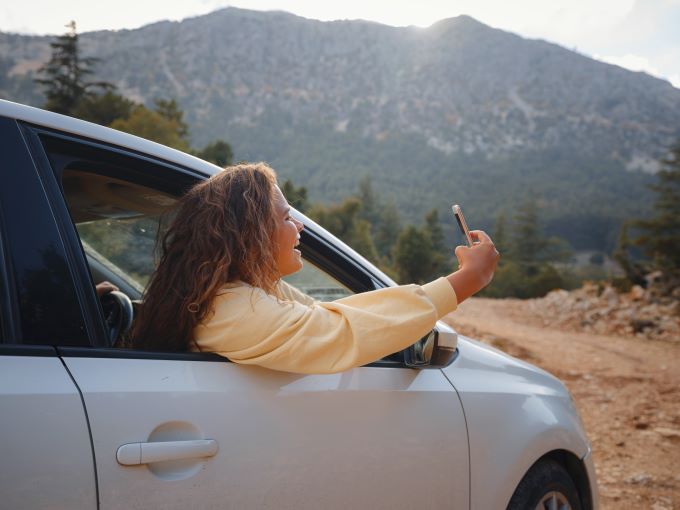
<point x="219" y="152"/>
<point x="413" y="256"/>
<point x="660" y="238"/>
<point x="433" y="229"/>
<point x="152" y="126"/>
<point x="369" y="202"/>
<point x="296" y="197"/>
<point x="362" y="241"/>
<point x="528" y="243"/>
<point x="65" y="73"/>
<point x="169" y="109"/>
<point x="104" y="109"/>
<point x="387" y="229"/>
<point x="500" y="235"/>
<point x="633" y="270"/>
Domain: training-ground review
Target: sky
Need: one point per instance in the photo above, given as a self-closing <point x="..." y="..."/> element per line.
<point x="641" y="35"/>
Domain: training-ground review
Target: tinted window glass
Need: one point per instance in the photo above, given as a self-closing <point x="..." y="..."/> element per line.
<point x="47" y="302"/>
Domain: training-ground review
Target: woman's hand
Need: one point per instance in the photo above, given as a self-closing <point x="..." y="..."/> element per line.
<point x="477" y="265"/>
<point x="104" y="288"/>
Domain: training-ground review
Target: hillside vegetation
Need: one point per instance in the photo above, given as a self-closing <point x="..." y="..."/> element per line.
<point x="455" y="112"/>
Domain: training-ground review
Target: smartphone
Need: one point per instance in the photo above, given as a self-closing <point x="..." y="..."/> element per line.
<point x="460" y="219"/>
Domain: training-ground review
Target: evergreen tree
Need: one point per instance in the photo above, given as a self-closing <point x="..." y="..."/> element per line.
<point x="343" y="220"/>
<point x="433" y="229"/>
<point x="219" y="152"/>
<point x="634" y="272"/>
<point x="500" y="235"/>
<point x="169" y="109"/>
<point x="387" y="230"/>
<point x="362" y="241"/>
<point x="65" y="74"/>
<point x="104" y="108"/>
<point x="152" y="126"/>
<point x="413" y="256"/>
<point x="339" y="219"/>
<point x="296" y="197"/>
<point x="369" y="202"/>
<point x="525" y="270"/>
<point x="528" y="243"/>
<point x="660" y="237"/>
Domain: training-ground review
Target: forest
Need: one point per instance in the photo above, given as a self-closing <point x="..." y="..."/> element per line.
<point x="532" y="264"/>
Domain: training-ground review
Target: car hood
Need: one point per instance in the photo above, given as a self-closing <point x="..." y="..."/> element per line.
<point x="492" y="369"/>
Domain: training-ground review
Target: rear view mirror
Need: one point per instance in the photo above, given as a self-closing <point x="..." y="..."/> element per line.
<point x="435" y="350"/>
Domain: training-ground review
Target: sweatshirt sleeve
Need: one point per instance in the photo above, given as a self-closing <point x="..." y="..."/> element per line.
<point x="250" y="326"/>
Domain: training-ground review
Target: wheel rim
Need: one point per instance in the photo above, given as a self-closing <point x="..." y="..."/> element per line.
<point x="554" y="500"/>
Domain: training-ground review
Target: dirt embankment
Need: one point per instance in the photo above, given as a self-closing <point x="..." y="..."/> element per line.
<point x="627" y="390"/>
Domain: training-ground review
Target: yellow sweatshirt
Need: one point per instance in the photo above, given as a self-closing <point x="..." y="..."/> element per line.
<point x="292" y="332"/>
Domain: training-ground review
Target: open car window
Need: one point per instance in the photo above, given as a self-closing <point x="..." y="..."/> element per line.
<point x="117" y="222"/>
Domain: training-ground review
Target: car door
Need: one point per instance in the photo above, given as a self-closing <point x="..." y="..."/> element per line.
<point x="180" y="430"/>
<point x="46" y="458"/>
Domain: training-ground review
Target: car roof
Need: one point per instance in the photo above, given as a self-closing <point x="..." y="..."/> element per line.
<point x="86" y="129"/>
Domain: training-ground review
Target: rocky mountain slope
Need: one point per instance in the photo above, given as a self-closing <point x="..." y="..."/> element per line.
<point x="426" y="112"/>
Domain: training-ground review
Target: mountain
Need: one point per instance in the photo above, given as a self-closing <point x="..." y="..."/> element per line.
<point x="458" y="111"/>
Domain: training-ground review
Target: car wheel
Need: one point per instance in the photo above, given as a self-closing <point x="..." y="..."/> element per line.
<point x="546" y="486"/>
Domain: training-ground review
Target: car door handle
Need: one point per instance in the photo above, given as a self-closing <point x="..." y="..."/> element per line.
<point x="134" y="454"/>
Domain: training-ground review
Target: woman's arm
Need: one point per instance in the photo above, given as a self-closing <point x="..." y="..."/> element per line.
<point x="252" y="327"/>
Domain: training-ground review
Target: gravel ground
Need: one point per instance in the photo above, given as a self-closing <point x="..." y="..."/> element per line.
<point x="626" y="389"/>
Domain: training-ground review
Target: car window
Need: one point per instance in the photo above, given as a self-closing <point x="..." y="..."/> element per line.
<point x="117" y="222"/>
<point x="317" y="284"/>
<point x="118" y="202"/>
<point x="46" y="307"/>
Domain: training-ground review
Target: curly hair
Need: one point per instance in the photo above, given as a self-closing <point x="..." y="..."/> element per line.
<point x="223" y="231"/>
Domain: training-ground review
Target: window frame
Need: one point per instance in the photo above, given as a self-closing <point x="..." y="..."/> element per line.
<point x="25" y="187"/>
<point x="51" y="179"/>
<point x="315" y="246"/>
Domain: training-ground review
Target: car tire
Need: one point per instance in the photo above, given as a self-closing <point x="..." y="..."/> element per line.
<point x="546" y="486"/>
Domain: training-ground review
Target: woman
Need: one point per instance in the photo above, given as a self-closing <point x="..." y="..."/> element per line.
<point x="218" y="287"/>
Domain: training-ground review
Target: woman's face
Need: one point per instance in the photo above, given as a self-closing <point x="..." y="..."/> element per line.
<point x="286" y="237"/>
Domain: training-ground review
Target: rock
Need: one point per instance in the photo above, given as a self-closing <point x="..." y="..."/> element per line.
<point x="640" y="479"/>
<point x="637" y="293"/>
<point x="596" y="308"/>
<point x="668" y="433"/>
<point x="639" y="325"/>
<point x="653" y="278"/>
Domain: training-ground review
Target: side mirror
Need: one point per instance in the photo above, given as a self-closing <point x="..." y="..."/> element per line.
<point x="435" y="350"/>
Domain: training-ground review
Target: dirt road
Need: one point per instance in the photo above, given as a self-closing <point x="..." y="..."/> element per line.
<point x="627" y="391"/>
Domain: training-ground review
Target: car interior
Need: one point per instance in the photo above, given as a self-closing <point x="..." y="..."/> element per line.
<point x="118" y="222"/>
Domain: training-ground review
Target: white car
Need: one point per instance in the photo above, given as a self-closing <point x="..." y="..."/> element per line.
<point x="449" y="423"/>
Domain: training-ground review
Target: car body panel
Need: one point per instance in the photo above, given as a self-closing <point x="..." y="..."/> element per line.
<point x="45" y="452"/>
<point x="515" y="413"/>
<point x="365" y="438"/>
<point x="589" y="465"/>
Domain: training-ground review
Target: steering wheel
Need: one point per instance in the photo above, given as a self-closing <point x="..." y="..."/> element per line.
<point x="117" y="314"/>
